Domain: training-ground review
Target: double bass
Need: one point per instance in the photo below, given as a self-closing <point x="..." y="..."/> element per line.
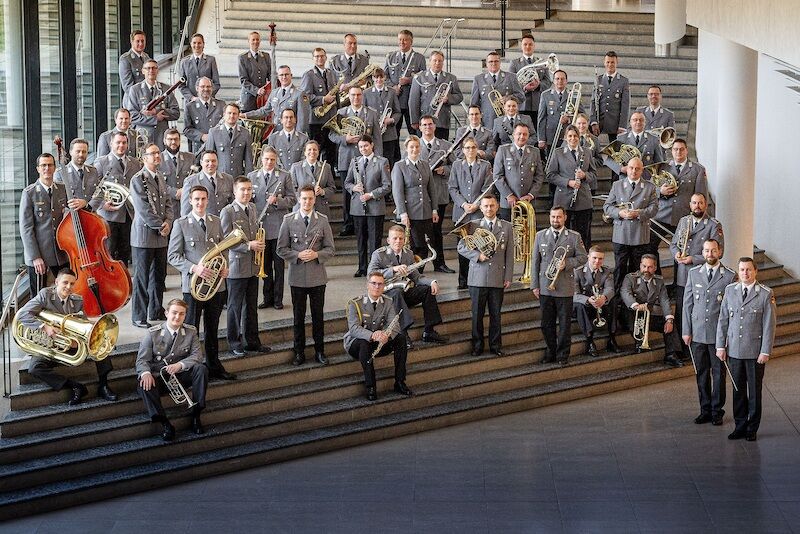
<point x="103" y="282"/>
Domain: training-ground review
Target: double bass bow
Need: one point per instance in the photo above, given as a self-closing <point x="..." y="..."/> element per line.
<point x="272" y="83"/>
<point x="103" y="282"/>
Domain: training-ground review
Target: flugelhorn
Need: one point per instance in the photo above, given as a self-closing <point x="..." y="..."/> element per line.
<point x="554" y="267"/>
<point x="523" y="222"/>
<point x="203" y="289"/>
<point x="666" y="136"/>
<point x="175" y="389"/>
<point x="440" y="98"/>
<point x="530" y="73"/>
<point x="641" y="328"/>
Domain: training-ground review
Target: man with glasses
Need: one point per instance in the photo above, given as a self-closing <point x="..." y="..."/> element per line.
<point x="494" y="79"/>
<point x="285" y="96"/>
<point x="153" y="122"/>
<point x="484" y="138"/>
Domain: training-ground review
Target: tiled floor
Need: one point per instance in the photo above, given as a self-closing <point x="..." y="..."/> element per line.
<point x="625" y="462"/>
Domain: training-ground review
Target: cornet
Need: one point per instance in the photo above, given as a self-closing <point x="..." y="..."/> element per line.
<point x="599" y="321"/>
<point x="554" y="267"/>
<point x="641" y="328"/>
<point x="530" y="73"/>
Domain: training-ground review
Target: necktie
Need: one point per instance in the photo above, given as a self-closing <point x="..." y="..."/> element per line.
<point x="230" y="133"/>
<point x="474" y="132"/>
<point x="678" y="168"/>
<point x="637" y="139"/>
<point x="80" y="173"/>
<point x="494" y="78"/>
<point x="152" y="92"/>
<point x="594" y="278"/>
<point x="364" y="165"/>
<point x="519" y="152"/>
<point x="350" y="64"/>
<point x="404" y="58"/>
<point x="491" y="226"/>
<point x="582" y="140"/>
<point x="324" y="79"/>
<point x="214" y="186"/>
<point x="436" y="78"/>
<point x="512" y="123"/>
<point x="305" y="220"/>
<point x="744" y="294"/>
<point x="470" y="171"/>
<point x="710" y="275"/>
<point x="653" y="113"/>
<point x="609" y="80"/>
<point x="430" y="146"/>
<point x="288" y="138"/>
<point x="694" y="224"/>
<point x="174" y="339"/>
<point x="557" y="235"/>
<point x="530" y="60"/>
<point x="206" y="106"/>
<point x="283" y="92"/>
<point x="397" y="257"/>
<point x="247" y="212"/>
<point x="375" y="305"/>
<point x="203" y="225"/>
<point x="197" y="62"/>
<point x="574" y="155"/>
<point x="560" y="97"/>
<point x="64" y="305"/>
<point x="50" y="193"/>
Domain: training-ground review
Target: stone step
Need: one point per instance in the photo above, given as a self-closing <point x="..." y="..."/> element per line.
<point x="567" y="15"/>
<point x="545" y="44"/>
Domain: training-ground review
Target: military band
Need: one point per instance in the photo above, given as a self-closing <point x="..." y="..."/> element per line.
<point x="351" y="63"/>
<point x="151" y="122"/>
<point x="79" y="178"/>
<point x="503" y="127"/>
<point x="433" y="149"/>
<point x="611" y="100"/>
<point x="285" y="96"/>
<point x="552" y="111"/>
<point x="425" y="87"/>
<point x="655" y="115"/>
<point x="288" y="141"/>
<point x="122" y="123"/>
<point x="231" y="142"/>
<point x="176" y="165"/>
<point x="254" y="68"/>
<point x="400" y="68"/>
<point x="218" y="184"/>
<point x="317" y="84"/>
<point x="317" y="174"/>
<point x="646" y="143"/>
<point x="484" y="137"/>
<point x="383" y="100"/>
<point x="533" y="89"/>
<point x="414" y="193"/>
<point x="131" y="63"/>
<point x="201" y="113"/>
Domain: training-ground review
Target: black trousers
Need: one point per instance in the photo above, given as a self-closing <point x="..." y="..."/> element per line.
<point x="556" y="320"/>
<point x="119" y="240"/>
<point x="38" y="282"/>
<point x="243" y="313"/>
<point x="581" y="222"/>
<point x="42" y="369"/>
<point x="195" y="378"/>
<point x="272" y="290"/>
<point x="442" y="133"/>
<point x="438" y="239"/>
<point x="480" y="297"/>
<point x="679" y="292"/>
<point x="586" y="314"/>
<point x="391" y="151"/>
<point x="361" y="350"/>
<point x="347" y="224"/>
<point x="463" y="270"/>
<point x="504" y="213"/>
<point x="419" y="229"/>
<point x="210" y="311"/>
<point x="316" y="296"/>
<point x="748" y="376"/>
<point x="402" y="301"/>
<point x="406" y="118"/>
<point x="672" y="341"/>
<point x="328" y="149"/>
<point x="655" y="242"/>
<point x="710" y="378"/>
<point x="149" y="275"/>
<point x="626" y="260"/>
<point x="369" y="232"/>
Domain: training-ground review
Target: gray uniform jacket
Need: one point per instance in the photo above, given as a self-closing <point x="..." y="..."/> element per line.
<point x="193" y="68"/>
<point x="111" y="170"/>
<point x="157" y="349"/>
<point x="692" y="179"/>
<point x="219" y="195"/>
<point x="253" y="74"/>
<point x="706" y="228"/>
<point x="295" y="237"/>
<point x="648" y="145"/>
<point x="438" y="148"/>
<point x="517" y="175"/>
<point x="482" y="85"/>
<point x="240" y="257"/>
<point x="302" y="174"/>
<point x="615" y="103"/>
<point x="176" y="172"/>
<point x="383" y="259"/>
<point x="188" y="242"/>
<point x="635" y="290"/>
<point x="551" y="107"/>
<point x="152" y="206"/>
<point x="130" y="69"/>
<point x="316" y="86"/>
<point x="465" y="185"/>
<point x="562" y="170"/>
<point x="282" y="98"/>
<point x="747" y="328"/>
<point x="643" y="197"/>
<point x="376" y="100"/>
<point x="503" y="131"/>
<point x="343" y="69"/>
<point x="544" y="247"/>
<point x="661" y="118"/>
<point x="395" y="68"/>
<point x="279" y="183"/>
<point x="39" y="218"/>
<point x="584" y="281"/>
<point x="484" y="138"/>
<point x="413" y="189"/>
<point x="104" y="143"/>
<point x="362" y="320"/>
<point x="423" y="87"/>
<point x="289" y="151"/>
<point x="701" y="302"/>
<point x="531" y="102"/>
<point x="374" y="175"/>
<point x="234" y="153"/>
<point x="70" y="177"/>
<point x="47" y="299"/>
<point x="199" y="120"/>
<point x="499" y="268"/>
<point x="349" y="151"/>
<point x="136" y="100"/>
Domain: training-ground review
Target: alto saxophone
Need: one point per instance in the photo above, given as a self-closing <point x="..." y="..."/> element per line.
<point x="405" y="282"/>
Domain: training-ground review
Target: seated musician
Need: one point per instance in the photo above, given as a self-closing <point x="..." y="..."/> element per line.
<point x="62" y="300"/>
<point x="594" y="289"/>
<point x="394" y="262"/>
<point x="174" y="346"/>
<point x="371" y="323"/>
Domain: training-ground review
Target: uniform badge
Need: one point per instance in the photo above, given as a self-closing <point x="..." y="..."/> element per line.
<point x="719" y="297"/>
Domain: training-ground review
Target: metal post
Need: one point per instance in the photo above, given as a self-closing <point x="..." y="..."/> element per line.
<point x="69" y="82"/>
<point x="503" y="4"/>
<point x="548" y="10"/>
<point x="99" y="68"/>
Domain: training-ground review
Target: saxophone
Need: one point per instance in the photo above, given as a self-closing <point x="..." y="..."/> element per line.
<point x="405" y="282"/>
<point x="214" y="259"/>
<point x="391" y="329"/>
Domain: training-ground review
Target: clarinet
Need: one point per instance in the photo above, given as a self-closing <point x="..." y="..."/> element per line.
<point x="579" y="167"/>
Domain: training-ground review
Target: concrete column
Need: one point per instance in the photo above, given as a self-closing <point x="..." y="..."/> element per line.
<point x="670" y="26"/>
<point x="705" y="143"/>
<point x="13" y="50"/>
<point x="736" y="148"/>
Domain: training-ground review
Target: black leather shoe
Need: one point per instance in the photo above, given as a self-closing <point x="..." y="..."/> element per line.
<point x="702" y="419"/>
<point x="299" y="359"/>
<point x="592" y="349"/>
<point x="372" y="394"/>
<point x="716" y="420"/>
<point x="261" y="349"/>
<point x="672" y="361"/>
<point x="197" y="425"/>
<point x="105" y="392"/>
<point x="462" y="286"/>
<point x="612" y="346"/>
<point x="79" y="391"/>
<point x="279" y="305"/>
<point x="547" y="358"/>
<point x="737" y="434"/>
<point x="346" y="233"/>
<point x="167" y="431"/>
<point x="402" y="389"/>
<point x="140" y="324"/>
<point x="477" y="351"/>
<point x="239" y="352"/>
<point x="434" y="337"/>
<point x="360" y="274"/>
<point x="751" y="436"/>
<point x="409" y="343"/>
<point x="222" y="375"/>
<point x="264" y="306"/>
<point x="321" y="358"/>
<point x="497" y="351"/>
<point x="443" y="269"/>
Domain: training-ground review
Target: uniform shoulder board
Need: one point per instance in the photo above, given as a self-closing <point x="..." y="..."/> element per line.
<point x="30" y="187"/>
<point x="387" y="298"/>
<point x="635" y="274"/>
<point x="765" y="287"/>
<point x="383" y="248"/>
<point x="696" y="267"/>
<point x="155" y="328"/>
<point x="290" y="214"/>
<point x="190" y="327"/>
<point x="731" y="284"/>
<point x="658" y="277"/>
<point x="76" y="297"/>
<point x="729" y="270"/>
<point x="573" y="232"/>
<point x="322" y="215"/>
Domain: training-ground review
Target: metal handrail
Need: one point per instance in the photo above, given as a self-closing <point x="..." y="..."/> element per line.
<point x="6" y="332"/>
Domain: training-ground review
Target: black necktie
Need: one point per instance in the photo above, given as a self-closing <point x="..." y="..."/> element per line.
<point x="474" y="132"/>
<point x="80" y="174"/>
<point x="288" y="138"/>
<point x="121" y="165"/>
<point x="557" y="235"/>
<point x="494" y="78"/>
<point x="512" y="123"/>
<point x="574" y="155"/>
<point x="710" y="275"/>
<point x="404" y="58"/>
<point x="491" y="226"/>
<point x="50" y="193"/>
<point x="203" y="225"/>
<point x="519" y="151"/>
<point x="744" y="294"/>
<point x="653" y="113"/>
<point x="247" y="212"/>
<point x="435" y="78"/>
<point x="206" y="106"/>
<point x="174" y="339"/>
<point x="230" y="134"/>
<point x="397" y="257"/>
<point x="375" y="305"/>
<point x="594" y="278"/>
<point x="324" y="79"/>
<point x="678" y="168"/>
<point x="694" y="224"/>
<point x="214" y="186"/>
<point x="470" y="171"/>
<point x="152" y="92"/>
<point x="609" y="80"/>
<point x="350" y="64"/>
<point x="560" y="97"/>
<point x="430" y="146"/>
<point x="197" y="62"/>
<point x="364" y="165"/>
<point x="305" y="219"/>
<point x="637" y="139"/>
<point x="530" y="60"/>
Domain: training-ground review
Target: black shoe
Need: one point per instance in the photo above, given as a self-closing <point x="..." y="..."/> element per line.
<point x="222" y="375"/>
<point x="672" y="361"/>
<point x="167" y="431"/>
<point x="547" y="358"/>
<point x="264" y="306"/>
<point x="299" y="359"/>
<point x="79" y="391"/>
<point x="477" y="351"/>
<point x="737" y="434"/>
<point x="346" y="233"/>
<point x="372" y="394"/>
<point x="434" y="337"/>
<point x="321" y="358"/>
<point x="141" y="324"/>
<point x="443" y="269"/>
<point x="703" y="418"/>
<point x="105" y="392"/>
<point x="402" y="389"/>
<point x="239" y="352"/>
<point x="462" y="286"/>
<point x="716" y="420"/>
<point x="279" y="305"/>
<point x="612" y="346"/>
<point x="592" y="349"/>
<point x="563" y="362"/>
<point x="497" y="351"/>
<point x="261" y="349"/>
<point x="409" y="343"/>
<point x="360" y="274"/>
<point x="751" y="436"/>
<point x="197" y="425"/>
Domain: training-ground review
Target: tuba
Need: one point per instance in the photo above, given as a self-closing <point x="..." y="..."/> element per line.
<point x="641" y="328"/>
<point x="553" y="268"/>
<point x="523" y="221"/>
<point x="496" y="100"/>
<point x="214" y="259"/>
<point x="79" y="338"/>
<point x="405" y="282"/>
<point x="346" y="125"/>
<point x="481" y="239"/>
<point x="620" y="152"/>
<point x="530" y="73"/>
<point x="666" y="136"/>
<point x="258" y="130"/>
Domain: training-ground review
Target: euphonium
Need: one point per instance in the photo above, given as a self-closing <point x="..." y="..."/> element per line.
<point x="404" y="281"/>
<point x="523" y="222"/>
<point x="79" y="338"/>
<point x="641" y="328"/>
<point x="175" y="389"/>
<point x="346" y="125"/>
<point x="666" y="136"/>
<point x="214" y="260"/>
<point x="620" y="152"/>
<point x="553" y="268"/>
<point x="496" y="100"/>
<point x="529" y="73"/>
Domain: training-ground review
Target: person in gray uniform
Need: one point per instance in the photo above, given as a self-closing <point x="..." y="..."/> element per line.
<point x="122" y="123"/>
<point x="494" y="79"/>
<point x="431" y="150"/>
<point x="425" y="86"/>
<point x="552" y="111"/>
<point x="79" y="178"/>
<point x="255" y="67"/>
<point x="218" y="184"/>
<point x="198" y="65"/>
<point x="231" y="142"/>
<point x="175" y="346"/>
<point x="611" y="103"/>
<point x="305" y="242"/>
<point x="701" y="303"/>
<point x="154" y="122"/>
<point x="533" y="90"/>
<point x="311" y="171"/>
<point x="41" y="208"/>
<point x="748" y="309"/>
<point x="368" y="321"/>
<point x="285" y="96"/>
<point x="484" y="137"/>
<point x="132" y="61"/>
<point x="503" y="127"/>
<point x="647" y="144"/>
<point x="288" y="142"/>
<point x="382" y="99"/>
<point x="594" y="291"/>
<point x="201" y="113"/>
<point x="176" y="166"/>
<point x="401" y="67"/>
<point x="655" y="115"/>
<point x="316" y="83"/>
<point x="413" y="191"/>
<point x="549" y="245"/>
<point x="351" y="63"/>
<point x="518" y="170"/>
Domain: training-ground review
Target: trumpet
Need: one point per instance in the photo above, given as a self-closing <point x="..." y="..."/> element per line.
<point x="387" y="112"/>
<point x="666" y="136"/>
<point x="175" y="389"/>
<point x="496" y="100"/>
<point x="554" y="267"/>
<point x="641" y="328"/>
<point x="203" y="289"/>
<point x="346" y="125"/>
<point x="599" y="321"/>
<point x="530" y="73"/>
<point x="440" y="99"/>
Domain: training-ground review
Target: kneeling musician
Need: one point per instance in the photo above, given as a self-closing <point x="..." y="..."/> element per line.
<point x="594" y="289"/>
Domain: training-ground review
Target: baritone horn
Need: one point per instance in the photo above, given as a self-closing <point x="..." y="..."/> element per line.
<point x="523" y="222"/>
<point x="203" y="289"/>
<point x="554" y="267"/>
<point x="530" y="73"/>
<point x="257" y="129"/>
<point x="641" y="328"/>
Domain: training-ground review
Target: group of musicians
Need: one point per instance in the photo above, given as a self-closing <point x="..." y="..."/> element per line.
<point x="179" y="212"/>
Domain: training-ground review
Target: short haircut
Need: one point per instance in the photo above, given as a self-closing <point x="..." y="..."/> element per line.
<point x="410" y="139"/>
<point x="254" y="33"/>
<point x="698" y="194"/>
<point x="571" y="128"/>
<point x="151" y="60"/>
<point x="287" y="109"/>
<point x="171" y="131"/>
<point x="407" y="33"/>
<point x="307" y="187"/>
<point x="368" y="138"/>
<point x="121" y="110"/>
<point x="638" y="113"/>
<point x="205" y="152"/>
<point x="375" y="273"/>
<point x="582" y="116"/>
<point x="134" y="33"/>
<point x="561" y="70"/>
<point x="596" y="248"/>
<point x="66" y="270"/>
<point x="427" y="117"/>
<point x="510" y="98"/>
<point x="611" y="53"/>
<point x="200" y="35"/>
<point x="78" y="141"/>
<point x="309" y="142"/>
<point x="559" y="207"/>
<point x="654" y="87"/>
<point x="285" y="67"/>
<point x="233" y="105"/>
<point x="711" y="240"/>
<point x="118" y="134"/>
<point x="317" y="50"/>
<point x="493" y="53"/>
<point x="200" y="79"/>
<point x="267" y="149"/>
<point x="747" y="259"/>
<point x="177" y="302"/>
<point x="489" y="196"/>
<point x="528" y="36"/>
<point x="680" y="140"/>
<point x="649" y="256"/>
<point x="475" y="107"/>
<point x="198" y="188"/>
<point x="522" y="125"/>
<point x="358" y="88"/>
<point x="436" y="53"/>
<point x="242" y="180"/>
<point x="45" y="155"/>
<point x="350" y="35"/>
<point x="397" y="228"/>
<point x="379" y="73"/>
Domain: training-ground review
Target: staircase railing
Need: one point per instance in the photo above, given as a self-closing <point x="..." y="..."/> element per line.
<point x="5" y="332"/>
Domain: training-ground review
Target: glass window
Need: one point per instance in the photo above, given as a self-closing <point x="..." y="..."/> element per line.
<point x="50" y="66"/>
<point x="116" y="45"/>
<point x="158" y="48"/>
<point x="136" y="15"/>
<point x="84" y="71"/>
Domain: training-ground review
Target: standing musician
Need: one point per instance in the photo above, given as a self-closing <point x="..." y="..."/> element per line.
<point x="552" y="111"/>
<point x="272" y="191"/>
<point x="611" y="102"/>
<point x="152" y="222"/>
<point x="231" y="142"/>
<point x="131" y="63"/>
<point x="317" y="82"/>
<point x="382" y="98"/>
<point x="285" y="96"/>
<point x="289" y="142"/>
<point x="242" y="269"/>
<point x="557" y="253"/>
<point x="594" y="289"/>
<point x="118" y="167"/>
<point x="79" y="178"/>
<point x="305" y="242"/>
<point x="176" y="165"/>
<point x="750" y="306"/>
<point x="198" y="65"/>
<point x="201" y="113"/>
<point x="60" y="299"/>
<point x="644" y="291"/>
<point x="122" y="123"/>
<point x="317" y="174"/>
<point x="192" y="236"/>
<point x="494" y="79"/>
<point x="431" y="149"/>
<point x="701" y="308"/>
<point x="255" y="68"/>
<point x="647" y="144"/>
<point x="533" y="90"/>
<point x="394" y="261"/>
<point x="218" y="184"/>
<point x="425" y="86"/>
<point x="401" y="67"/>
<point x="368" y="183"/>
<point x="41" y="208"/>
<point x="175" y="346"/>
<point x="588" y="140"/>
<point x="656" y="116"/>
<point x="489" y="276"/>
<point x="503" y="127"/>
<point x="155" y="121"/>
<point x="413" y="191"/>
<point x="368" y="319"/>
<point x="574" y="176"/>
<point x="518" y="170"/>
<point x="484" y="137"/>
<point x="349" y="64"/>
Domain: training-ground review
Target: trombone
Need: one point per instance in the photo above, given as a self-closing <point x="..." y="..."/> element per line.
<point x="570" y="109"/>
<point x="641" y="328"/>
